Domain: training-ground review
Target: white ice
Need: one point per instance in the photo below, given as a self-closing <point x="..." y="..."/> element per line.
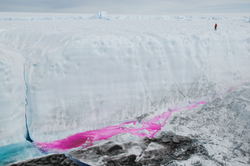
<point x="12" y="96"/>
<point x="83" y="73"/>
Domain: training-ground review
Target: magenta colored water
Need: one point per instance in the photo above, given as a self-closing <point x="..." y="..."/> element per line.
<point x="87" y="138"/>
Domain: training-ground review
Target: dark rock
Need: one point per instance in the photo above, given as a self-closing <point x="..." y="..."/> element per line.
<point x="73" y="164"/>
<point x="111" y="163"/>
<point x="145" y="151"/>
<point x="114" y="149"/>
<point x="166" y="139"/>
<point x="129" y="160"/>
<point x="178" y="139"/>
<point x="50" y="160"/>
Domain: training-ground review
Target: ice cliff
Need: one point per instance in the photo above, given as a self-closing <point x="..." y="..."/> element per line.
<point x="12" y="96"/>
<point x="61" y="77"/>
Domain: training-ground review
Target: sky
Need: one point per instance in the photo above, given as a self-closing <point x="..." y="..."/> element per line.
<point x="126" y="6"/>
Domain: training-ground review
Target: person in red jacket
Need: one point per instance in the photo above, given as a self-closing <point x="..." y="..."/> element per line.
<point x="215" y="26"/>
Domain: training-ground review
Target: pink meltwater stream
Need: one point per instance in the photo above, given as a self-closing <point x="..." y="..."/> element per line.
<point x="86" y="139"/>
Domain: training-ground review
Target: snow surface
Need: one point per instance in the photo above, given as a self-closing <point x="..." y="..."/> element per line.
<point x="80" y="72"/>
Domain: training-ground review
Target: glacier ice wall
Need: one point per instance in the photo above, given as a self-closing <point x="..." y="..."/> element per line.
<point x="12" y="96"/>
<point x="100" y="81"/>
<point x="87" y="74"/>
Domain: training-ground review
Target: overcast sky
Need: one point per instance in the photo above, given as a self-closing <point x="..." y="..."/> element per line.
<point x="127" y="6"/>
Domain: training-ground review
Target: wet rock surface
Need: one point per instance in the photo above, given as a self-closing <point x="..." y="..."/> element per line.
<point x="50" y="160"/>
<point x="144" y="151"/>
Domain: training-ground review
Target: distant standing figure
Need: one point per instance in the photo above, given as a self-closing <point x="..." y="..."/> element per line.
<point x="215" y="26"/>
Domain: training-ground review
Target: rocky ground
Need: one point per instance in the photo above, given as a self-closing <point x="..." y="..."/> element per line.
<point x="50" y="160"/>
<point x="222" y="126"/>
<point x="161" y="150"/>
<point x="145" y="151"/>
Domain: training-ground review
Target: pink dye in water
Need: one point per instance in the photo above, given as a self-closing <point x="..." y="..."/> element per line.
<point x="86" y="139"/>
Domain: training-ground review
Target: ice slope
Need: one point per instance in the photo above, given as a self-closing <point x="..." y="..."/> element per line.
<point x="12" y="96"/>
<point x="88" y="74"/>
<point x="222" y="126"/>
